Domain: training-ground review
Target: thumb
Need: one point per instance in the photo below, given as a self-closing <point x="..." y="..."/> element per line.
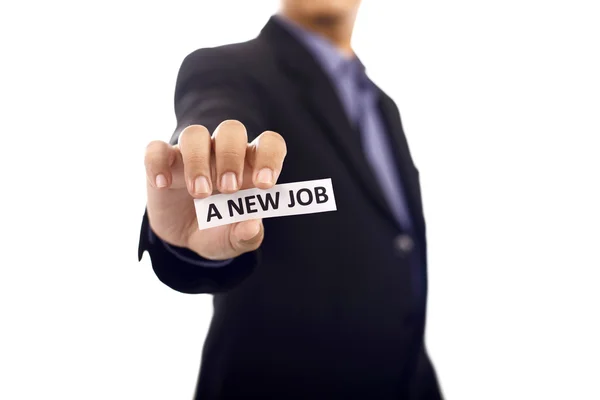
<point x="247" y="235"/>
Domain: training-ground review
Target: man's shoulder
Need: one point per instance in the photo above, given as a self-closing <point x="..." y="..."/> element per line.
<point x="252" y="55"/>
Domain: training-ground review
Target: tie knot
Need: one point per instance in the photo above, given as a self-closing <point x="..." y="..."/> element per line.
<point x="357" y="70"/>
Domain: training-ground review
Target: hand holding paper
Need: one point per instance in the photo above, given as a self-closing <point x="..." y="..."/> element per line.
<point x="201" y="165"/>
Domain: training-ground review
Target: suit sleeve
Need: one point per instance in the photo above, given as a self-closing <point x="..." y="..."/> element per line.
<point x="212" y="86"/>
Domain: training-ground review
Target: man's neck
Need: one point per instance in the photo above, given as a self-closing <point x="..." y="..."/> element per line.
<point x="337" y="30"/>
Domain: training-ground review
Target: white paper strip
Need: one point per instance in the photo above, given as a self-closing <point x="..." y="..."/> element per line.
<point x="286" y="199"/>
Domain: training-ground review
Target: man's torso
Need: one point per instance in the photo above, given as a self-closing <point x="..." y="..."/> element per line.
<point x="332" y="303"/>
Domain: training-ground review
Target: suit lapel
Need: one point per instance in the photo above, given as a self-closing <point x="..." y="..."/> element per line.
<point x="408" y="171"/>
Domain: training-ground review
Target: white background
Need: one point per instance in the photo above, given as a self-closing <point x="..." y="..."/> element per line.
<point x="500" y="101"/>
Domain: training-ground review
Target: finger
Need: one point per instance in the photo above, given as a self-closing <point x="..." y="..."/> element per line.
<point x="247" y="235"/>
<point x="230" y="143"/>
<point x="195" y="147"/>
<point x="158" y="159"/>
<point x="267" y="153"/>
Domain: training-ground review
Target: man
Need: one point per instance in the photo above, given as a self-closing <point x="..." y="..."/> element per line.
<point x="320" y="306"/>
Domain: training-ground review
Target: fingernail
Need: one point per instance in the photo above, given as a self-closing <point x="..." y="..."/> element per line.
<point x="265" y="176"/>
<point x="161" y="181"/>
<point x="229" y="182"/>
<point x="201" y="185"/>
<point x="248" y="230"/>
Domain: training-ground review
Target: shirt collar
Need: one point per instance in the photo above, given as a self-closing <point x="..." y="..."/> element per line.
<point x="330" y="57"/>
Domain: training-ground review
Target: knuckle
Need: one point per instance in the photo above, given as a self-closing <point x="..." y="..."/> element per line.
<point x="231" y="127"/>
<point x="229" y="155"/>
<point x="272" y="135"/>
<point x="268" y="156"/>
<point x="232" y="123"/>
<point x="196" y="158"/>
<point x="194" y="147"/>
<point x="192" y="131"/>
<point x="154" y="146"/>
<point x="275" y="140"/>
<point x="154" y="156"/>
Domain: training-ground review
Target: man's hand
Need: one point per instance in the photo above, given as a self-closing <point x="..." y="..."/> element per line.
<point x="199" y="166"/>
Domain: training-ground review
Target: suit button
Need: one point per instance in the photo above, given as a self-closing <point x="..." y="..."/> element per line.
<point x="404" y="244"/>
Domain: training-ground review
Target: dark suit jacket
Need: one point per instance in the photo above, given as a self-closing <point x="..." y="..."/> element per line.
<point x="325" y="308"/>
